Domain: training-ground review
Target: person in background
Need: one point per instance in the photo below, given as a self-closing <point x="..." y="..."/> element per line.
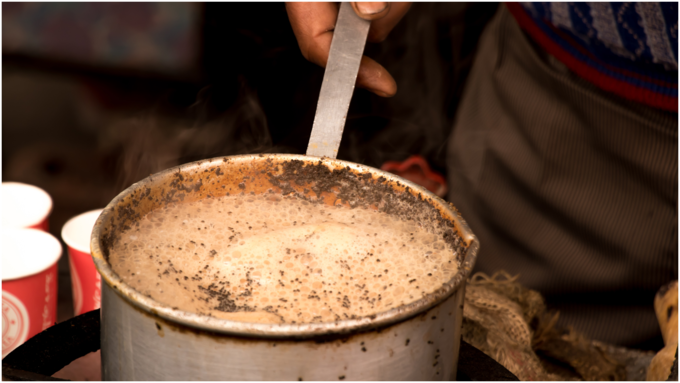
<point x="563" y="154"/>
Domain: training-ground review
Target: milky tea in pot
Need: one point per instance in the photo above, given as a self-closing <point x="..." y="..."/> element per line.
<point x="281" y="262"/>
<point x="275" y="259"/>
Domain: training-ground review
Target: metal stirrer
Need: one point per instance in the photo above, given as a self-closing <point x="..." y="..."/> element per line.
<point x="347" y="47"/>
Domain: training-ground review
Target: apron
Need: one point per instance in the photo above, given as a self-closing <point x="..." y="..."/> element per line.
<point x="571" y="187"/>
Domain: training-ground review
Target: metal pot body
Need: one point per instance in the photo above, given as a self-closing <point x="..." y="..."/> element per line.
<point x="139" y="346"/>
<point x="142" y="339"/>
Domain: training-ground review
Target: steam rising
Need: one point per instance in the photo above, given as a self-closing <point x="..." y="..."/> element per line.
<point x="429" y="53"/>
<point x="155" y="141"/>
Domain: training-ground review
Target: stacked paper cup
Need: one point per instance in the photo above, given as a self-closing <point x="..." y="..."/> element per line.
<point x="29" y="264"/>
<point x="85" y="280"/>
<point x="25" y="206"/>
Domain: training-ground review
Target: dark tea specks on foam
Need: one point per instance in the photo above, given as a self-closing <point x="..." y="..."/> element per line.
<point x="277" y="259"/>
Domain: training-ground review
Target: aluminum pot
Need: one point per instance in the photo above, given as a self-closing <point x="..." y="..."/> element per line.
<point x="142" y="339"/>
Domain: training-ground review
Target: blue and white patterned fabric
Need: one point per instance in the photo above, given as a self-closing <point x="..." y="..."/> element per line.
<point x="630" y="49"/>
<point x="641" y="32"/>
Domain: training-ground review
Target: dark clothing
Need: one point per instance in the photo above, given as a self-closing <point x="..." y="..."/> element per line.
<point x="570" y="186"/>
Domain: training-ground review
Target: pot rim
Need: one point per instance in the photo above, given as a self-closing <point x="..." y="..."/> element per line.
<point x="307" y="330"/>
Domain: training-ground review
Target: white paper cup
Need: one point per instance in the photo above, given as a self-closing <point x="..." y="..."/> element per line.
<point x="85" y="279"/>
<point x="25" y="206"/>
<point x="29" y="284"/>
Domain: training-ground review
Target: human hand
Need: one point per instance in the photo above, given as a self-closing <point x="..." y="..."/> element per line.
<point x="313" y="25"/>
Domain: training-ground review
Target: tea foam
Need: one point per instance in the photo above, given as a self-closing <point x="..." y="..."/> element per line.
<point x="273" y="259"/>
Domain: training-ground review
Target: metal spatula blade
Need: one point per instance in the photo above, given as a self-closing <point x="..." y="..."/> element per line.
<point x="347" y="47"/>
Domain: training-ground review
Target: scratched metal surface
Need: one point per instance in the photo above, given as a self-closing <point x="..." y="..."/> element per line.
<point x="347" y="47"/>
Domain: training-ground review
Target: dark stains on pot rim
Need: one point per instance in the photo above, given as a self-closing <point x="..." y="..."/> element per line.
<point x="349" y="186"/>
<point x="364" y="190"/>
<point x="363" y="338"/>
<point x="347" y="183"/>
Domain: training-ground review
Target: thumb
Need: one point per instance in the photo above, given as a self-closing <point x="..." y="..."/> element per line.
<point x="371" y="10"/>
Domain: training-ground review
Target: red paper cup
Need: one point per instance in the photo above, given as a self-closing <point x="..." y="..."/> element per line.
<point x="25" y="206"/>
<point x="29" y="284"/>
<point x="85" y="279"/>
